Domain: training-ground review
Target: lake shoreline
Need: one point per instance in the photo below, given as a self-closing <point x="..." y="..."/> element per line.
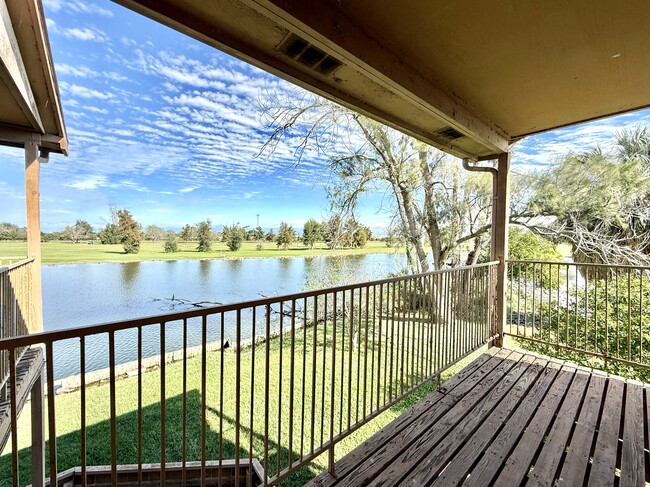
<point x="224" y="258"/>
<point x="60" y="253"/>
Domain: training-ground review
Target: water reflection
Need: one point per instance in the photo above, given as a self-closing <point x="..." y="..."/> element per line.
<point x="204" y="268"/>
<point x="130" y="271"/>
<point x="86" y="294"/>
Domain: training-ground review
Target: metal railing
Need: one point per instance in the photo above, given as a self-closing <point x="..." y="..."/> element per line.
<point x="290" y="376"/>
<point x="15" y="311"/>
<point x="591" y="310"/>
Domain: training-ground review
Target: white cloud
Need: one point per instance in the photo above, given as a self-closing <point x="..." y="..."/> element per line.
<point x="84" y="34"/>
<point x="88" y="183"/>
<point x="188" y="190"/>
<point x="103" y="111"/>
<point x="76" y="71"/>
<point x="76" y="6"/>
<point x="83" y="91"/>
<point x="53" y="5"/>
<point x="84" y="7"/>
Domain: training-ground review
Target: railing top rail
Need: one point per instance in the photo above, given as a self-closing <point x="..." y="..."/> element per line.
<point x="15" y="265"/>
<point x="77" y="332"/>
<point x="582" y="264"/>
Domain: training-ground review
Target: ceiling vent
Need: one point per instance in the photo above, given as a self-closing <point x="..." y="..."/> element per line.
<point x="302" y="51"/>
<point x="449" y="133"/>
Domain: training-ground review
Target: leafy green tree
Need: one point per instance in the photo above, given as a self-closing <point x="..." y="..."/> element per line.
<point x="171" y="243"/>
<point x="110" y="234"/>
<point x="311" y="233"/>
<point x="154" y="233"/>
<point x="270" y="236"/>
<point x="596" y="318"/>
<point x="9" y="231"/>
<point x="51" y="236"/>
<point x="130" y="232"/>
<point x="332" y="231"/>
<point x="286" y="235"/>
<point x="234" y="236"/>
<point x="204" y="236"/>
<point x="596" y="203"/>
<point x="187" y="233"/>
<point x="81" y="230"/>
<point x="360" y="236"/>
<point x="257" y="233"/>
<point x="524" y="245"/>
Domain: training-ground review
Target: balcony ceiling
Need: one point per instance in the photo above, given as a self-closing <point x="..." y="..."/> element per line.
<point x="29" y="95"/>
<point x="467" y="76"/>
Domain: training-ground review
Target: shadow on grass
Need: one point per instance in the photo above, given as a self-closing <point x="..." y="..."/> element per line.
<point x="98" y="448"/>
<point x="302" y="476"/>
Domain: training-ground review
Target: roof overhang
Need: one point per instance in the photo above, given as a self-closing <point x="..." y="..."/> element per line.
<point x="30" y="107"/>
<point x="469" y="77"/>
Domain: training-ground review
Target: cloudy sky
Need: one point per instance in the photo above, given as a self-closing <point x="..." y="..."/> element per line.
<point x="169" y="128"/>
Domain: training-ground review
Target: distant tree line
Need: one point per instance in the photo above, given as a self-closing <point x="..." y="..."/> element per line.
<point x="122" y="228"/>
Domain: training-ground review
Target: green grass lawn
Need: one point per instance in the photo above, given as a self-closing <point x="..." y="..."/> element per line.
<point x="67" y="252"/>
<point x="221" y="408"/>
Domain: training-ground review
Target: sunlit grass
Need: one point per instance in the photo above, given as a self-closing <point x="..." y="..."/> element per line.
<point x="222" y="409"/>
<point x="67" y="252"/>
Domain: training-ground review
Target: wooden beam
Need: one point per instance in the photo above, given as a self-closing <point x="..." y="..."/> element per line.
<point x="499" y="242"/>
<point x="17" y="137"/>
<point x="327" y="25"/>
<point x="13" y="72"/>
<point x="32" y="196"/>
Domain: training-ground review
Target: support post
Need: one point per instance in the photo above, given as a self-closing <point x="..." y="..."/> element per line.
<point x="38" y="438"/>
<point x="499" y="243"/>
<point x="32" y="196"/>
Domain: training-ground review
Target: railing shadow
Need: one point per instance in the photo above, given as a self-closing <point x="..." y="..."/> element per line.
<point x="98" y="446"/>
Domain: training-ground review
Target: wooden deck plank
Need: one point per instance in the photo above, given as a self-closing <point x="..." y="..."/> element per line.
<point x="517" y="402"/>
<point x="493" y="408"/>
<point x="405" y="456"/>
<point x="488" y="466"/>
<point x="381" y="445"/>
<point x="577" y="458"/>
<point x="512" y="420"/>
<point x="518" y="464"/>
<point x="603" y="466"/>
<point x="632" y="461"/>
<point x="467" y="377"/>
<point x="547" y="464"/>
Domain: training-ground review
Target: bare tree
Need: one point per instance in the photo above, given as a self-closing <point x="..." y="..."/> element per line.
<point x="426" y="189"/>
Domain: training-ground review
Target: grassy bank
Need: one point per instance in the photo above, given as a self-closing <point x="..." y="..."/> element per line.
<point x="68" y="253"/>
<point x="221" y="411"/>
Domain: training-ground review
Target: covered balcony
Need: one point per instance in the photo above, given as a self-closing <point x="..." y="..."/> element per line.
<point x="315" y="369"/>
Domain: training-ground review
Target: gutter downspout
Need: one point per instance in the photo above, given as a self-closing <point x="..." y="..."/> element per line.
<point x="498" y="236"/>
<point x="495" y="195"/>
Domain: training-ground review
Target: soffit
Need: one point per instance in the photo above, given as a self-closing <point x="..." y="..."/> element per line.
<point x="30" y="105"/>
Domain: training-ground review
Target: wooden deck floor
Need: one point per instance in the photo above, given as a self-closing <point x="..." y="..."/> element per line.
<point x="509" y="419"/>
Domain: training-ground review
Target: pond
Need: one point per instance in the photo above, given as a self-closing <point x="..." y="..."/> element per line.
<point x="87" y="294"/>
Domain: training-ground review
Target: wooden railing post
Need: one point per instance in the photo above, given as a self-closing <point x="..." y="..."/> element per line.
<point x="499" y="243"/>
<point x="32" y="197"/>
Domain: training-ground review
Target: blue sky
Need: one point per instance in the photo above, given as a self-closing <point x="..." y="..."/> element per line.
<point x="169" y="128"/>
